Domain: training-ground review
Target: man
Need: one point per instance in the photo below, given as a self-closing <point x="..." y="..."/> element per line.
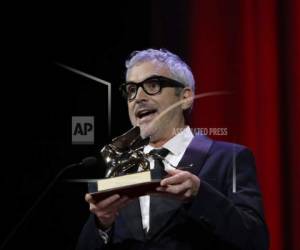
<point x="197" y="207"/>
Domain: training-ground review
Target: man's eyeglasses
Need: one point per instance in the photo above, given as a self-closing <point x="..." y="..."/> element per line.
<point x="151" y="86"/>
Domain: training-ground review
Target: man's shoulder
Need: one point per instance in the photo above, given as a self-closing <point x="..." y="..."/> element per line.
<point x="222" y="146"/>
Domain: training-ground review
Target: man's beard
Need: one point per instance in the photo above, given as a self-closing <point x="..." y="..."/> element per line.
<point x="148" y="130"/>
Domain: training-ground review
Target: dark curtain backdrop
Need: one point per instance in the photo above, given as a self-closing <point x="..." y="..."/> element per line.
<point x="251" y="48"/>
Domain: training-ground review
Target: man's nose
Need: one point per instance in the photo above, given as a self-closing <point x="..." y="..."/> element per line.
<point x="141" y="95"/>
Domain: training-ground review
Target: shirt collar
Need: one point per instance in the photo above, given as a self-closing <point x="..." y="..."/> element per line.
<point x="178" y="143"/>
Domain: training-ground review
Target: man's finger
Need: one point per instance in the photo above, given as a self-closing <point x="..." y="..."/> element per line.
<point x="178" y="178"/>
<point x="88" y="198"/>
<point x="178" y="189"/>
<point x="120" y="203"/>
<point x="111" y="208"/>
<point x="104" y="202"/>
<point x="173" y="171"/>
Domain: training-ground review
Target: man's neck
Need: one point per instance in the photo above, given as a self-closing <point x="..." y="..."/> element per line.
<point x="159" y="143"/>
<point x="166" y="137"/>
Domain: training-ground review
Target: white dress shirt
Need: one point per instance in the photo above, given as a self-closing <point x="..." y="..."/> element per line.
<point x="177" y="146"/>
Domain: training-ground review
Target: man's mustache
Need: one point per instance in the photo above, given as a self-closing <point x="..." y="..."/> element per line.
<point x="142" y="106"/>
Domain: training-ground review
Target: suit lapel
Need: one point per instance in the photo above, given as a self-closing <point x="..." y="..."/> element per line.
<point x="196" y="154"/>
<point x="162" y="209"/>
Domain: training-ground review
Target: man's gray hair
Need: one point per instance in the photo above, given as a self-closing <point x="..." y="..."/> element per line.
<point x="179" y="70"/>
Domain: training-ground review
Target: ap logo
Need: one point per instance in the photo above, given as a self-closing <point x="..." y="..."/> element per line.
<point x="83" y="130"/>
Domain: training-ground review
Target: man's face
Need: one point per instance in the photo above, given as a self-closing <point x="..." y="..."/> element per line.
<point x="144" y="108"/>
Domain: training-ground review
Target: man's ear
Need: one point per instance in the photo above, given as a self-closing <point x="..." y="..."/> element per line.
<point x="187" y="98"/>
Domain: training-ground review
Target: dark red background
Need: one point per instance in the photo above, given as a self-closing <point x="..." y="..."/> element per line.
<point x="252" y="49"/>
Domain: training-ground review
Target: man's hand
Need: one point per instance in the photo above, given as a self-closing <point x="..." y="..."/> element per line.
<point x="181" y="184"/>
<point x="107" y="209"/>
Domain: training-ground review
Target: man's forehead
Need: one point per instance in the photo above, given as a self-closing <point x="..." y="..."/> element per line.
<point x="143" y="70"/>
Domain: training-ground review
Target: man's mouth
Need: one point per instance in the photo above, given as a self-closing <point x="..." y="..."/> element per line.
<point x="145" y="114"/>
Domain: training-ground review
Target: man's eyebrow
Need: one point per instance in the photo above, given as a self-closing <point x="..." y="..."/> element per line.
<point x="149" y="77"/>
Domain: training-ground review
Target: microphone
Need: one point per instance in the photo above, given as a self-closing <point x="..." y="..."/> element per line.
<point x="85" y="163"/>
<point x="89" y="161"/>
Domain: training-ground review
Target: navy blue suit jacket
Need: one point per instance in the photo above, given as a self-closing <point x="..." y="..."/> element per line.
<point x="224" y="214"/>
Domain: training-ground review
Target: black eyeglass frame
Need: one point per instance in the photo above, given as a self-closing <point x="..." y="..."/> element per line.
<point x="161" y="80"/>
